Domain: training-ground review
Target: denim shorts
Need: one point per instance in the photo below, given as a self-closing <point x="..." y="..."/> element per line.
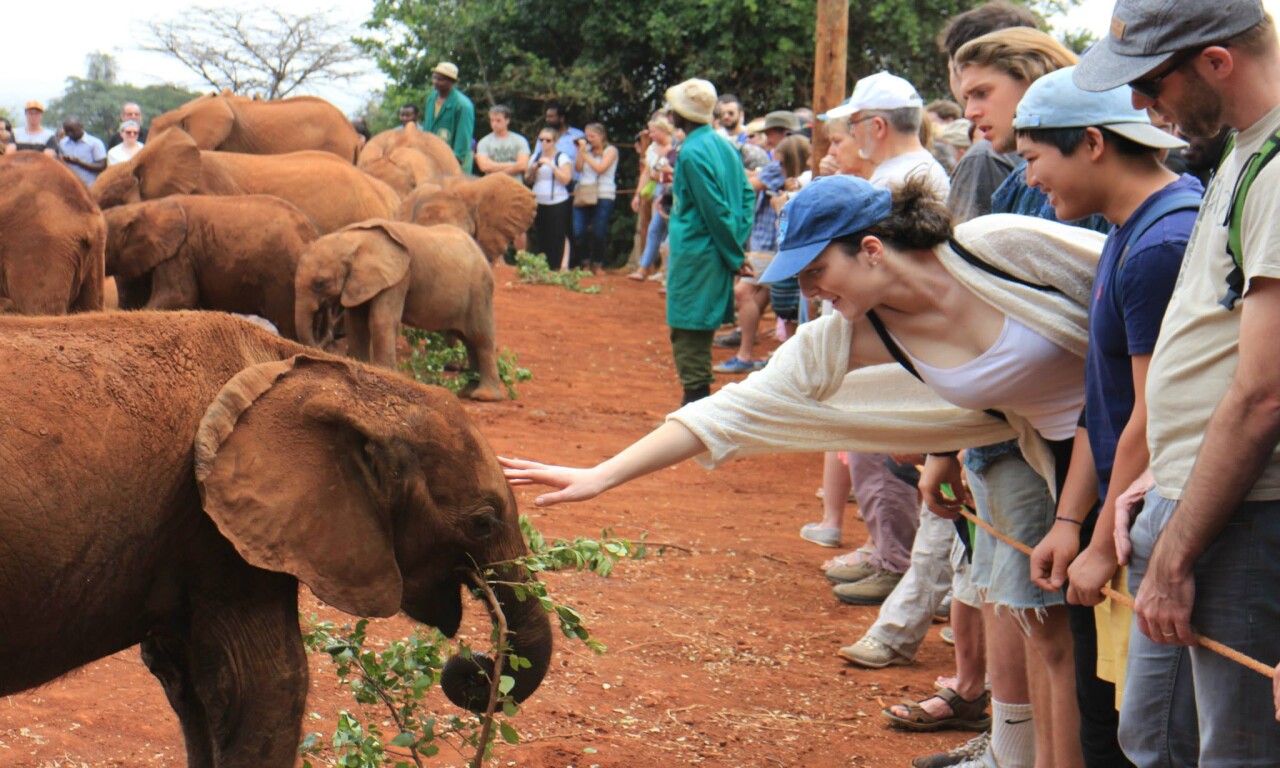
<point x="1017" y="502"/>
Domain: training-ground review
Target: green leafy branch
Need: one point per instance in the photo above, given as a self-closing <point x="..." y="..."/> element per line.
<point x="532" y="268"/>
<point x="437" y="360"/>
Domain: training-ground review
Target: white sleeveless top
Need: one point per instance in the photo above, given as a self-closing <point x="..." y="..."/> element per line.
<point x="1022" y="372"/>
<point x="607" y="186"/>
<point x="547" y="190"/>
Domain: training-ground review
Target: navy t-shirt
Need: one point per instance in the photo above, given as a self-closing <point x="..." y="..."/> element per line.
<point x="1124" y="318"/>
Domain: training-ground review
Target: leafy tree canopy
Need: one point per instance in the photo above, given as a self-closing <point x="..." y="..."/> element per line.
<point x="97" y="101"/>
<point x="611" y="60"/>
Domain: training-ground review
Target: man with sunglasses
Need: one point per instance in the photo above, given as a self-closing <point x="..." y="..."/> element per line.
<point x="1213" y="388"/>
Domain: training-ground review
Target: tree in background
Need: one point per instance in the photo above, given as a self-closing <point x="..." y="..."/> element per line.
<point x="96" y="98"/>
<point x="262" y="49"/>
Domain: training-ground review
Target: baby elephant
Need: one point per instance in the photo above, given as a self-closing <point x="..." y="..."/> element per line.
<point x="234" y="254"/>
<point x="388" y="272"/>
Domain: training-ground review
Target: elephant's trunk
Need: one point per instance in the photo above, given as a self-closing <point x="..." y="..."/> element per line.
<point x="467" y="682"/>
<point x="304" y="316"/>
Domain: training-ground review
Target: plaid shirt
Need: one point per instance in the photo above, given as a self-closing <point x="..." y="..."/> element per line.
<point x="764" y="232"/>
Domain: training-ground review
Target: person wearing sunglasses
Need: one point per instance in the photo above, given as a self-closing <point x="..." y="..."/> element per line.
<point x="1214" y="510"/>
<point x="129" y="144"/>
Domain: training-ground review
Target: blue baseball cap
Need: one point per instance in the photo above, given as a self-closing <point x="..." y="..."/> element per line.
<point x="1055" y="101"/>
<point x="829" y="208"/>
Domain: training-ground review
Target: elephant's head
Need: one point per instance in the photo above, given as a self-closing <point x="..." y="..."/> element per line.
<point x="207" y="119"/>
<point x="444" y="207"/>
<point x="142" y="235"/>
<point x="345" y="269"/>
<point x="169" y="164"/>
<point x="438" y="154"/>
<point x="375" y="492"/>
<point x="503" y="208"/>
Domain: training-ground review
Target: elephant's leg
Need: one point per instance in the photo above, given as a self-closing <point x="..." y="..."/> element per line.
<point x="355" y="320"/>
<point x="385" y="311"/>
<point x="167" y="657"/>
<point x="482" y="352"/>
<point x="174" y="286"/>
<point x="249" y="670"/>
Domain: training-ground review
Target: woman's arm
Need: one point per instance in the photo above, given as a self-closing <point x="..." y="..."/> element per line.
<point x="669" y="444"/>
<point x="607" y="159"/>
<point x="564" y="171"/>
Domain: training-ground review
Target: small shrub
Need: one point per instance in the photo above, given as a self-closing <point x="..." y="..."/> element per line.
<point x="440" y="362"/>
<point x="532" y="268"/>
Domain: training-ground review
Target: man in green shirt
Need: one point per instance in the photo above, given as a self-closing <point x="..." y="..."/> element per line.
<point x="710" y="224"/>
<point x="450" y="114"/>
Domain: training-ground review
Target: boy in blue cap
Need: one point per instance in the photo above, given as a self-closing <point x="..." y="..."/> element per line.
<point x="1093" y="153"/>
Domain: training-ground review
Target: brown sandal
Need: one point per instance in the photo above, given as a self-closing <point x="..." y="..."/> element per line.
<point x="965" y="715"/>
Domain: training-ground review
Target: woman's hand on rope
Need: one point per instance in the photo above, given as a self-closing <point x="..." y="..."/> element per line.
<point x="1050" y="558"/>
<point x="1128" y="505"/>
<point x="572" y="484"/>
<point x="1088" y="574"/>
<point x="944" y="470"/>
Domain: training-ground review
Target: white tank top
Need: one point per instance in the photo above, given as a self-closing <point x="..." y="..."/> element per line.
<point x="608" y="188"/>
<point x="1023" y="373"/>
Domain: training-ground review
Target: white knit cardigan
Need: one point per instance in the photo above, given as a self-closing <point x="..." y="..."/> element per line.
<point x="807" y="400"/>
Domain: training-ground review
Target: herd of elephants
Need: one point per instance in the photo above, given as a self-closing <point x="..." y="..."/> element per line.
<point x="169" y="477"/>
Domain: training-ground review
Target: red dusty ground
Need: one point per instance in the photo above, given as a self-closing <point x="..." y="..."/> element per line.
<point x="723" y="657"/>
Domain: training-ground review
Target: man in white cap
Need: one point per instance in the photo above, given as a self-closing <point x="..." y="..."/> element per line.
<point x="450" y="114"/>
<point x="1213" y="384"/>
<point x="710" y="224"/>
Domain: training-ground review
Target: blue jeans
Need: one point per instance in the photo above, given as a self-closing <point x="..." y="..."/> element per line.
<point x="657" y="235"/>
<point x="591" y="233"/>
<point x="1236" y="603"/>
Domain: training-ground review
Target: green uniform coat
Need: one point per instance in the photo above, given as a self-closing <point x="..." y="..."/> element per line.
<point x="710" y="223"/>
<point x="456" y="124"/>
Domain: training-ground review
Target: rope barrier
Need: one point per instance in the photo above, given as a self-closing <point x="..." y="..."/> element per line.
<point x="1204" y="642"/>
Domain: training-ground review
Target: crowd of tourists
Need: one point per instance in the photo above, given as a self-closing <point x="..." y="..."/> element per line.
<point x="1051" y="310"/>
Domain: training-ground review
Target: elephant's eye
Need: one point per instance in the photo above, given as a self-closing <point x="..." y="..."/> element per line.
<point x="485" y="523"/>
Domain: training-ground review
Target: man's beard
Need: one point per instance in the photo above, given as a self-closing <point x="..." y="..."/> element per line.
<point x="732" y="127"/>
<point x="1200" y="114"/>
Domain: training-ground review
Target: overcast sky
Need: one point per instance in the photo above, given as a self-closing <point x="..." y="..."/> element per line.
<point x="45" y="44"/>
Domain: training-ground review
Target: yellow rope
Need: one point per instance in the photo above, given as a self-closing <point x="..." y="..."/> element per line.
<point x="1124" y="599"/>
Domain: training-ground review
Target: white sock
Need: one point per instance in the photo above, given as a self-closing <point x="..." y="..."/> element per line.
<point x="1013" y="735"/>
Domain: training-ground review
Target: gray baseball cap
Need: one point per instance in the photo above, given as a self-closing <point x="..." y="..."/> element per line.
<point x="1146" y="33"/>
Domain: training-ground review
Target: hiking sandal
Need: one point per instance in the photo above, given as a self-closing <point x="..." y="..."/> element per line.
<point x="965" y="715"/>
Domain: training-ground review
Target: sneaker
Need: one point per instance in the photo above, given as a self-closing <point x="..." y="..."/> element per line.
<point x="967" y="753"/>
<point x="869" y="591"/>
<point x="736" y="364"/>
<point x="657" y="277"/>
<point x="873" y="654"/>
<point x="848" y="574"/>
<point x="730" y="340"/>
<point x="948" y="635"/>
<point x="823" y="537"/>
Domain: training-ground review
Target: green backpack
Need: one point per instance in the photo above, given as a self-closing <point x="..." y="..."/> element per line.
<point x="1235" y="213"/>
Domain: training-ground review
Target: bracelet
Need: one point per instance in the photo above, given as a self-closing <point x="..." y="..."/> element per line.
<point x="1069" y="520"/>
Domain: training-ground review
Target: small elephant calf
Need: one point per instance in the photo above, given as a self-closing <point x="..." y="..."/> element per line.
<point x="385" y="273"/>
<point x="234" y="254"/>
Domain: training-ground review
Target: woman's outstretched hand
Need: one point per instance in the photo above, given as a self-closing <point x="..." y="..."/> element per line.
<point x="572" y="484"/>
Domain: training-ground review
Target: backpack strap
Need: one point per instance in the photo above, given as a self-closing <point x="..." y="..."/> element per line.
<point x="900" y="356"/>
<point x="1166" y="205"/>
<point x="973" y="260"/>
<point x="1235" y="213"/>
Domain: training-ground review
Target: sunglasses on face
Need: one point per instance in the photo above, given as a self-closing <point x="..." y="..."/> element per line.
<point x="1149" y="87"/>
<point x="129" y="133"/>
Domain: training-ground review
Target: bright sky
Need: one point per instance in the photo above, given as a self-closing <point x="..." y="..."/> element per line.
<point x="43" y="45"/>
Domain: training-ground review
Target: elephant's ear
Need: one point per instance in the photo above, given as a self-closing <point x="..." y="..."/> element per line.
<point x="291" y="479"/>
<point x="503" y="208"/>
<point x="152" y="233"/>
<point x="209" y="122"/>
<point x="170" y="164"/>
<point x="445" y="207"/>
<point x="378" y="263"/>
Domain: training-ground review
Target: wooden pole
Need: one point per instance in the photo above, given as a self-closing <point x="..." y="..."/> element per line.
<point x="831" y="54"/>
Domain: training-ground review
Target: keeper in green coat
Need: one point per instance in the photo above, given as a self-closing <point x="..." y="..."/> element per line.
<point x="710" y="224"/>
<point x="450" y="114"/>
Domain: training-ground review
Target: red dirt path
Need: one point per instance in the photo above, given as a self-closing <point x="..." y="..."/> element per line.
<point x="725" y="657"/>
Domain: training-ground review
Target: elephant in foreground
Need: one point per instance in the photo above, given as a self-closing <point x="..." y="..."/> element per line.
<point x="385" y="273"/>
<point x="51" y="238"/>
<point x="439" y="155"/>
<point x="229" y="123"/>
<point x="332" y="192"/>
<point x="494" y="209"/>
<point x="172" y="477"/>
<point x="234" y="254"/>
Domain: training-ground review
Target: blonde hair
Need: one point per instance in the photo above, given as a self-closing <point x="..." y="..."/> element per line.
<point x="793" y="154"/>
<point x="662" y="123"/>
<point x="1020" y="52"/>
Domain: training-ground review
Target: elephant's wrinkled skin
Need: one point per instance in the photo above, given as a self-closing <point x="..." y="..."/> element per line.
<point x="234" y="254"/>
<point x="493" y="209"/>
<point x="332" y="192"/>
<point x="171" y="477"/>
<point x="51" y="238"/>
<point x="439" y="155"/>
<point x="229" y="123"/>
<point x="388" y="272"/>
